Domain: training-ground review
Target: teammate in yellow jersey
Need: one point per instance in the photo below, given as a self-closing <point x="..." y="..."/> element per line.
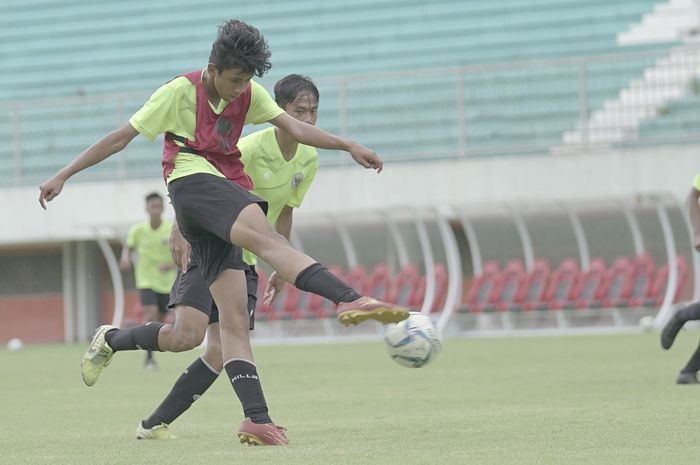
<point x="282" y="171"/>
<point x="689" y="373"/>
<point x="154" y="270"/>
<point x="202" y="114"/>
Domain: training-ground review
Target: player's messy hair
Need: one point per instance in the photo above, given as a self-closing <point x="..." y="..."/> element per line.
<point x="290" y="87"/>
<point x="240" y="45"/>
<point x="154" y="195"/>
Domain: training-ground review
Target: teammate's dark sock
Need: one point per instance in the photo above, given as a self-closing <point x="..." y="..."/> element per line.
<point x="143" y="337"/>
<point x="244" y="379"/>
<point x="190" y="386"/>
<point x="693" y="365"/>
<point x="689" y="312"/>
<point x="149" y="356"/>
<point x="317" y="279"/>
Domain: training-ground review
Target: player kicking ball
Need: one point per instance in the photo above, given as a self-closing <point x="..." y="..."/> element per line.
<point x="282" y="171"/>
<point x="202" y="115"/>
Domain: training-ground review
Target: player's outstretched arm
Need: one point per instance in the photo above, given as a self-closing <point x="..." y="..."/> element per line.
<point x="694" y="215"/>
<point x="311" y="135"/>
<point x="110" y="144"/>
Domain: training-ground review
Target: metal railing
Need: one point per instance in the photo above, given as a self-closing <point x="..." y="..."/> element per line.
<point x="559" y="105"/>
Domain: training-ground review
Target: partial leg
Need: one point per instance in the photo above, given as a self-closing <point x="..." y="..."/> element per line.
<point x="674" y="325"/>
<point x="252" y="231"/>
<point x="187" y="333"/>
<point x="689" y="373"/>
<point x="190" y="386"/>
<point x="150" y="315"/>
<point x="230" y="291"/>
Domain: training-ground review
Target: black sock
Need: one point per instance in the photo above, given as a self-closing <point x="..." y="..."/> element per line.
<point x="143" y="337"/>
<point x="244" y="379"/>
<point x="317" y="279"/>
<point x="693" y="365"/>
<point x="190" y="386"/>
<point x="149" y="356"/>
<point x="689" y="312"/>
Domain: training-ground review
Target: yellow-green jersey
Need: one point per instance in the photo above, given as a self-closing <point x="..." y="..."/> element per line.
<point x="696" y="182"/>
<point x="153" y="249"/>
<point x="173" y="110"/>
<point x="277" y="181"/>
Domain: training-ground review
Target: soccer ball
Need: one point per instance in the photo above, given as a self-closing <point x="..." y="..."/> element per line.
<point x="646" y="323"/>
<point x="413" y="342"/>
<point x="14" y="345"/>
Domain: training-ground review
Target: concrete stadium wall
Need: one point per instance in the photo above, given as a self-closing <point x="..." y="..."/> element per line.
<point x="531" y="179"/>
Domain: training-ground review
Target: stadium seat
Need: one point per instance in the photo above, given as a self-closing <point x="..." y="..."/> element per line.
<point x="378" y="283"/>
<point x="357" y="278"/>
<point x="407" y="288"/>
<point x="562" y="284"/>
<point x="478" y="297"/>
<point x="642" y="287"/>
<point x="508" y="292"/>
<point x="535" y="285"/>
<point x="590" y="285"/>
<point x="619" y="283"/>
<point x="658" y="288"/>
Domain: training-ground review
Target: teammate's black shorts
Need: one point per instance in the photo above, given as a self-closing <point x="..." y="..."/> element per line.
<point x="190" y="289"/>
<point x="206" y="206"/>
<point x="151" y="297"/>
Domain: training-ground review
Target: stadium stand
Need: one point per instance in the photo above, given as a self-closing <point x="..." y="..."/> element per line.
<point x="628" y="282"/>
<point x="403" y="116"/>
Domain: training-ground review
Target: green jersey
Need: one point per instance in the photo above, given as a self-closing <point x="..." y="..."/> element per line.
<point x="277" y="181"/>
<point x="153" y="249"/>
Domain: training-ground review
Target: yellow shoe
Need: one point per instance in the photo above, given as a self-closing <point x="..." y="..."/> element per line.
<point x="157" y="432"/>
<point x="97" y="356"/>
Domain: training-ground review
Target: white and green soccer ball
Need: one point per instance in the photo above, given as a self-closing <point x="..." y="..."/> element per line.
<point x="413" y="342"/>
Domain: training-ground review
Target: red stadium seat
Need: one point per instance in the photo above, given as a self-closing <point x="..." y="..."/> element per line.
<point x="407" y="288"/>
<point x="378" y="283"/>
<point x="477" y="298"/>
<point x="658" y="288"/>
<point x="619" y="282"/>
<point x="643" y="283"/>
<point x="590" y="285"/>
<point x="284" y="306"/>
<point x="508" y="292"/>
<point x="535" y="285"/>
<point x="357" y="278"/>
<point x="562" y="284"/>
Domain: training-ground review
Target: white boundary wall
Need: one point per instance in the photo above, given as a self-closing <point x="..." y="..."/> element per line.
<point x="532" y="178"/>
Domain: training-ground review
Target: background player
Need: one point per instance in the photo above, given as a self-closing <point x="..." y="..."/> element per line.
<point x="154" y="271"/>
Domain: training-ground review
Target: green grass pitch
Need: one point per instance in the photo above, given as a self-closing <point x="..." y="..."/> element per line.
<point x="545" y="400"/>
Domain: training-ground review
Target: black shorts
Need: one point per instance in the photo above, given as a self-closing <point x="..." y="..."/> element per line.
<point x="206" y="206"/>
<point x="191" y="290"/>
<point x="151" y="297"/>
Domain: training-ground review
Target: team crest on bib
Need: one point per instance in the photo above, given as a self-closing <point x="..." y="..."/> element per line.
<point x="297" y="179"/>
